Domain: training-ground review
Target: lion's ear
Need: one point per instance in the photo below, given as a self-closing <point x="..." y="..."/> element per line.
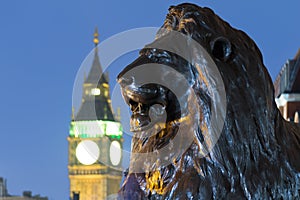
<point x="221" y="48"/>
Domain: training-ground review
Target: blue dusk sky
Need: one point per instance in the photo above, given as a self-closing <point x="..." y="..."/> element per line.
<point x="42" y="45"/>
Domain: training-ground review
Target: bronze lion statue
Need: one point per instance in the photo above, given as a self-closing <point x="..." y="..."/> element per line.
<point x="257" y="153"/>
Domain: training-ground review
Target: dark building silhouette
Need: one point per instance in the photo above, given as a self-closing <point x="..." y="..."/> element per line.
<point x="287" y="89"/>
<point x="27" y="195"/>
<point x="3" y="187"/>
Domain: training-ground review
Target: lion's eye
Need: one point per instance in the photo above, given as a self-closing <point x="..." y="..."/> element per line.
<point x="221" y="48"/>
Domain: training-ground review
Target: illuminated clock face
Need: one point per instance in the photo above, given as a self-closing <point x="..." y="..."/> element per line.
<point x="115" y="153"/>
<point x="87" y="152"/>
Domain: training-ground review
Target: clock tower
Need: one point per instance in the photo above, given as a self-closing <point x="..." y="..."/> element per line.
<point x="95" y="139"/>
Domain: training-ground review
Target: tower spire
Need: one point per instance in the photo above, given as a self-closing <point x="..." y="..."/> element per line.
<point x="96" y="95"/>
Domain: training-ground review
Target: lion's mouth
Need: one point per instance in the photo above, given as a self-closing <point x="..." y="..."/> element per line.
<point x="146" y="104"/>
<point x="152" y="104"/>
<point x="144" y="88"/>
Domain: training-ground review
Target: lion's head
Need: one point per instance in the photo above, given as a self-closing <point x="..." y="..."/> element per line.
<point x="254" y="156"/>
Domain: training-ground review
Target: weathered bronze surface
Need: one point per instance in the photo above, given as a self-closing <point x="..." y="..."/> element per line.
<point x="257" y="155"/>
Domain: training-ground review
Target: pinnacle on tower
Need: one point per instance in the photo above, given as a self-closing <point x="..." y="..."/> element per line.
<point x="296" y="118"/>
<point x="73" y="114"/>
<point x="96" y="34"/>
